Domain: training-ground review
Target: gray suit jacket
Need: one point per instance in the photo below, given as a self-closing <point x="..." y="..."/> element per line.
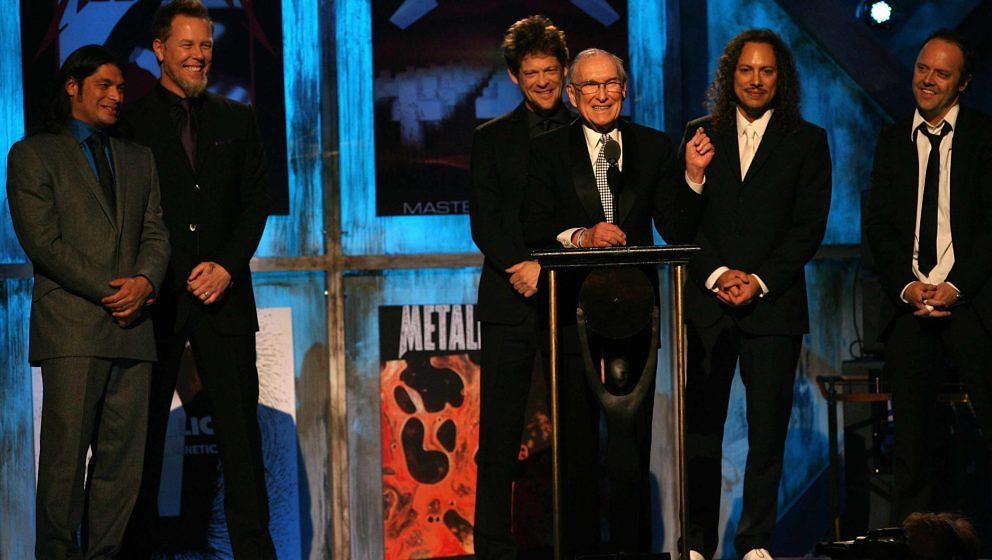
<point x="78" y="245"/>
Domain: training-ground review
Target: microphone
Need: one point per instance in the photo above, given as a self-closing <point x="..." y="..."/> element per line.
<point x="611" y="151"/>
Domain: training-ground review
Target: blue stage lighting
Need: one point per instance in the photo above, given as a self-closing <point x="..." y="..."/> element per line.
<point x="877" y="13"/>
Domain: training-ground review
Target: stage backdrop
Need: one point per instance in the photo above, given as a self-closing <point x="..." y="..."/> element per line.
<point x="439" y="74"/>
<point x="247" y="59"/>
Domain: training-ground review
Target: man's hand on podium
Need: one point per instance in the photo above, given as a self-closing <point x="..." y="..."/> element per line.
<point x="603" y="234"/>
<point x="523" y="277"/>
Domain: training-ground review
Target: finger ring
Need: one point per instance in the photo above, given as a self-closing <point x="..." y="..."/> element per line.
<point x="206" y="294"/>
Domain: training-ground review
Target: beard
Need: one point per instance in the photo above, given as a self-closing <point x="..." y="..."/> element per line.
<point x="190" y="88"/>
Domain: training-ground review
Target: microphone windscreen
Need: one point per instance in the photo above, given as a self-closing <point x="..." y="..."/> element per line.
<point x="611" y="151"/>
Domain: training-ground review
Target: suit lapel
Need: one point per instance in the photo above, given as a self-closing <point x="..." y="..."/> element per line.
<point x="727" y="153"/>
<point x="120" y="182"/>
<point x="769" y="142"/>
<point x="204" y="136"/>
<point x="170" y="137"/>
<point x="86" y="174"/>
<point x="519" y="137"/>
<point x="630" y="177"/>
<point x="583" y="178"/>
<point x="963" y="146"/>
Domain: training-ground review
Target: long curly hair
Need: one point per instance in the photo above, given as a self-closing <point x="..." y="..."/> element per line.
<point x="720" y="98"/>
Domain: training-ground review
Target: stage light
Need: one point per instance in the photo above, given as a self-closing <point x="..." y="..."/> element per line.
<point x="877" y="13"/>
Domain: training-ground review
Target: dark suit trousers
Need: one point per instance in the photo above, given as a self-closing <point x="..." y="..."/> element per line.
<point x="508" y="357"/>
<point x="913" y="355"/>
<point x="768" y="370"/>
<point x="226" y="367"/>
<point x="89" y="403"/>
<point x="578" y="421"/>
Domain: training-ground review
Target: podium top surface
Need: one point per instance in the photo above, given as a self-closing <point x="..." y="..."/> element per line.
<point x="615" y="256"/>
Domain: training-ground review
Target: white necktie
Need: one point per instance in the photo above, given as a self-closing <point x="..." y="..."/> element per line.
<point x="748" y="153"/>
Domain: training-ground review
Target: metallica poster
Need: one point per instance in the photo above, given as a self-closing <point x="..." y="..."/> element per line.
<point x="247" y="59"/>
<point x="429" y="389"/>
<point x="438" y="74"/>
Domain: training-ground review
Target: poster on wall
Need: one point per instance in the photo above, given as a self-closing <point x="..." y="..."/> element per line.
<point x="438" y="73"/>
<point x="247" y="59"/>
<point x="429" y="389"/>
<point x="191" y="523"/>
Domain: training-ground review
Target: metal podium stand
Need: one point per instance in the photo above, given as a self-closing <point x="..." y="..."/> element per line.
<point x="675" y="256"/>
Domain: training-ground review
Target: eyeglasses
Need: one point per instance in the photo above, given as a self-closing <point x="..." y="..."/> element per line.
<point x="590" y="88"/>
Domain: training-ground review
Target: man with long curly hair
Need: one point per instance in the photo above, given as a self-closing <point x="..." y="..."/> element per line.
<point x="764" y="174"/>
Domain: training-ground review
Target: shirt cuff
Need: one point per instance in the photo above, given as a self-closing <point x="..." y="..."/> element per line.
<point x="565" y="238"/>
<point x="696" y="187"/>
<point x="902" y="293"/>
<point x="955" y="288"/>
<point x="713" y="277"/>
<point x="764" y="288"/>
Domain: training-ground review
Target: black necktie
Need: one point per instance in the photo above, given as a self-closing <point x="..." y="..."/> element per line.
<point x="927" y="257"/>
<point x="187" y="133"/>
<point x="97" y="143"/>
<point x="546" y="125"/>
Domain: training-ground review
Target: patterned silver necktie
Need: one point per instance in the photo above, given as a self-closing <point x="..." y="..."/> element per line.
<point x="602" y="183"/>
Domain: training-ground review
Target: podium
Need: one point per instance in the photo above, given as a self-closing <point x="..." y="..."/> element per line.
<point x="559" y="260"/>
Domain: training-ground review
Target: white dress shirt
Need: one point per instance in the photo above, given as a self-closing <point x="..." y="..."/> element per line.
<point x="593" y="145"/>
<point x="945" y="245"/>
<point x="749" y="135"/>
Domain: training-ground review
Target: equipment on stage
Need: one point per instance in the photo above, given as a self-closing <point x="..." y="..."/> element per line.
<point x="617" y="311"/>
<point x="879" y="544"/>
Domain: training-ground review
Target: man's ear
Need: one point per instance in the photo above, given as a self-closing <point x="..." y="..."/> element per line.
<point x="513" y="77"/>
<point x="964" y="84"/>
<point x="71" y="87"/>
<point x="159" y="48"/>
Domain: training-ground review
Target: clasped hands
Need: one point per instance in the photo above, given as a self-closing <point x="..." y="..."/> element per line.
<point x="737" y="288"/>
<point x="125" y="304"/>
<point x="931" y="301"/>
<point x="208" y="281"/>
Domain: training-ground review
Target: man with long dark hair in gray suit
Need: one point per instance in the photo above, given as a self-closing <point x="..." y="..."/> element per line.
<point x="86" y="210"/>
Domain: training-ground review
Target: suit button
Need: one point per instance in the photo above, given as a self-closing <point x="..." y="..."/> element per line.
<point x="196" y="187"/>
<point x="192" y="227"/>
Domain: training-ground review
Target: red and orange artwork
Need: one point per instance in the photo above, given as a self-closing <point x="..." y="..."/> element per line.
<point x="430" y="436"/>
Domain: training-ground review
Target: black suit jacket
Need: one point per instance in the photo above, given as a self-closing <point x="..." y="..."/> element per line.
<point x="770" y="224"/>
<point x="890" y="218"/>
<point x="500" y="150"/>
<point x="215" y="213"/>
<point x="562" y="194"/>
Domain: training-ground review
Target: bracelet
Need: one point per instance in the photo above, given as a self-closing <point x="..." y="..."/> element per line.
<point x="578" y="238"/>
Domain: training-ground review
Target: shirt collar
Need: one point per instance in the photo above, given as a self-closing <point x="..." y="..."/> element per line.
<point x="950" y="118"/>
<point x="593" y="137"/>
<point x="171" y="98"/>
<point x="560" y="116"/>
<point x="759" y="125"/>
<point x="80" y="131"/>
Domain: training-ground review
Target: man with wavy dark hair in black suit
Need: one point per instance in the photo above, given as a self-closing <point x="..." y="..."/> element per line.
<point x="536" y="57"/>
<point x="764" y="174"/>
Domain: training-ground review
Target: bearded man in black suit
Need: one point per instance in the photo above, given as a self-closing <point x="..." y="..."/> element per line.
<point x="929" y="226"/>
<point x="764" y="174"/>
<point x="536" y="57"/>
<point x="213" y="178"/>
